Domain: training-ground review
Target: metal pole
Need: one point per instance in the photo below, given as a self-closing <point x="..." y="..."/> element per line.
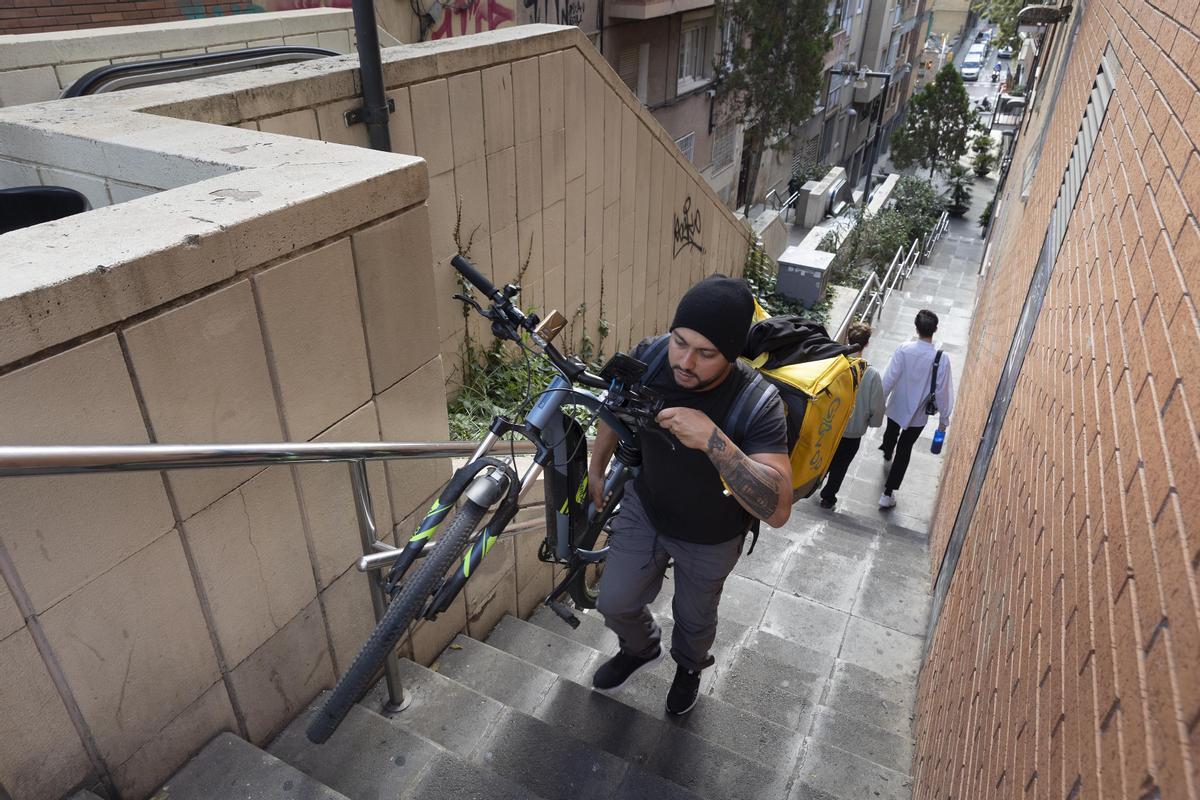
<point x="397" y="700"/>
<point x="370" y="67"/>
<point x="887" y="82"/>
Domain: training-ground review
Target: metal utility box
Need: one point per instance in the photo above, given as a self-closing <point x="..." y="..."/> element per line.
<point x="803" y="274"/>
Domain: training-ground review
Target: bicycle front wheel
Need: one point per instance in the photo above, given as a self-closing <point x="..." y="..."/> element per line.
<point x="400" y="612"/>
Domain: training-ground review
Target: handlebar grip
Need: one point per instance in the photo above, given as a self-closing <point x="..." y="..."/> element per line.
<point x="468" y="271"/>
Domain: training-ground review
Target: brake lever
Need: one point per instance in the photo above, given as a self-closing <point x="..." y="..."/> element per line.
<point x="473" y="303"/>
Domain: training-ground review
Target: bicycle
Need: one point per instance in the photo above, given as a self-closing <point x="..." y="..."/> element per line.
<point x="574" y="525"/>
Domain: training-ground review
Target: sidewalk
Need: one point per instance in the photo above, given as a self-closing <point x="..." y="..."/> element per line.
<point x="822" y="628"/>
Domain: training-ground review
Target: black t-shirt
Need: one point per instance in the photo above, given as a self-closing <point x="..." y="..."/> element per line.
<point x="679" y="487"/>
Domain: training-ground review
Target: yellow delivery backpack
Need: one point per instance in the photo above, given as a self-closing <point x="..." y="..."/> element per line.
<point x="819" y="397"/>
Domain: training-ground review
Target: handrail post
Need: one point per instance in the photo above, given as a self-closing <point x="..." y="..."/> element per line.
<point x="396" y="700"/>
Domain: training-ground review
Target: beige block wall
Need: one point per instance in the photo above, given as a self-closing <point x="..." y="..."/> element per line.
<point x="38" y="66"/>
<point x="281" y="288"/>
<point x="545" y="163"/>
<point x="257" y="300"/>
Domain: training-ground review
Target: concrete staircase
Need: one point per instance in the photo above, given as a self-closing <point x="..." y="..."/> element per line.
<point x="515" y="717"/>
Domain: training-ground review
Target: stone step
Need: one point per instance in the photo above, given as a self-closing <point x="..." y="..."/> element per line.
<point x="652" y="742"/>
<point x="754" y="737"/>
<point x="547" y="760"/>
<point x="755" y="671"/>
<point x="229" y="767"/>
<point x="84" y="794"/>
<point x="368" y="757"/>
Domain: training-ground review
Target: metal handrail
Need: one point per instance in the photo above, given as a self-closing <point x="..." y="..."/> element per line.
<point x="842" y="330"/>
<point x="76" y="459"/>
<point x="898" y="271"/>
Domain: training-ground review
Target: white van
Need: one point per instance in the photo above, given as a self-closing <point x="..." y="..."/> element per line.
<point x="979" y="50"/>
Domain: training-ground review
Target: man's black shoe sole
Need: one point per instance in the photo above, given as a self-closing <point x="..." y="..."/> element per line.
<point x="661" y="652"/>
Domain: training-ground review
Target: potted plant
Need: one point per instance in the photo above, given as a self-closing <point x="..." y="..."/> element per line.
<point x="982" y="145"/>
<point x="985" y="217"/>
<point x="958" y="190"/>
<point x="983" y="162"/>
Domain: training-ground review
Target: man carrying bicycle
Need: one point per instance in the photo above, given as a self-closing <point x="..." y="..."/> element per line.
<point x="696" y="493"/>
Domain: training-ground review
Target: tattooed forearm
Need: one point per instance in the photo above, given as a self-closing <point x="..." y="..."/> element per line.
<point x="754" y="485"/>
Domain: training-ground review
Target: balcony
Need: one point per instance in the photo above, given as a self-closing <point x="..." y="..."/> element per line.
<point x="653" y="9"/>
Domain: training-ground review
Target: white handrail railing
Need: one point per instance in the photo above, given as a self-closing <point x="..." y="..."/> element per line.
<point x="897" y="273"/>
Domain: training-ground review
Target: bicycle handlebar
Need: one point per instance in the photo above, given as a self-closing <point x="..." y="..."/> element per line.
<point x="573" y="369"/>
<point x="468" y="271"/>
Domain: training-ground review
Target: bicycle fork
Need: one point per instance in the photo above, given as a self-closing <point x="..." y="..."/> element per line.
<point x="581" y="559"/>
<point x="484" y="490"/>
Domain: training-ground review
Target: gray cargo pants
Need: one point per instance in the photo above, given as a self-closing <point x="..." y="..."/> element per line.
<point x="633" y="576"/>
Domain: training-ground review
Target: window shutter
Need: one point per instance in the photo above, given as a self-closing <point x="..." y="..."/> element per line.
<point x="629" y="66"/>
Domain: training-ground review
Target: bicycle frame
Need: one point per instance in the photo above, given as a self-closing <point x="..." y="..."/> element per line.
<point x="561" y="448"/>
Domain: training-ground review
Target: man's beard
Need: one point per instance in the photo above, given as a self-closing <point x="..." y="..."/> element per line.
<point x="701" y="385"/>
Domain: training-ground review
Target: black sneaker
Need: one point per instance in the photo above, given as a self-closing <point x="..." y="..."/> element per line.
<point x="620" y="668"/>
<point x="685" y="690"/>
<point x="827" y="503"/>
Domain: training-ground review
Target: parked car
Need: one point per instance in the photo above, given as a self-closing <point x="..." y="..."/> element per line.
<point x="971" y="68"/>
<point x="1004" y="52"/>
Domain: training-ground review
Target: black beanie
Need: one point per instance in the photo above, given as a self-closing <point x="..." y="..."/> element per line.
<point x="720" y="309"/>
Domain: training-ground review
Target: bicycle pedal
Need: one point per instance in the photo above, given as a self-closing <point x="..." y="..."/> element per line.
<point x="564" y="613"/>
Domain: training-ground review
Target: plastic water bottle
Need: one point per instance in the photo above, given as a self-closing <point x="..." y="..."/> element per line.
<point x="939" y="437"/>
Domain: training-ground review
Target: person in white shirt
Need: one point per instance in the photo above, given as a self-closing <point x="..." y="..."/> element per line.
<point x="868" y="413"/>
<point x="906" y="385"/>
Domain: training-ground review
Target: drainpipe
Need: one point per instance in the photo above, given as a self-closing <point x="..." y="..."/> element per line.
<point x="376" y="107"/>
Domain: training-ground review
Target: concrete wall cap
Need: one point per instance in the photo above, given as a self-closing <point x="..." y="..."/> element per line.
<point x="108" y="264"/>
<point x="35" y="49"/>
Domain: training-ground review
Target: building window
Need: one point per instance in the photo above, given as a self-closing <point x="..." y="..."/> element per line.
<point x="695" y="55"/>
<point x="633" y="68"/>
<point x="723" y="145"/>
<point x="687" y="145"/>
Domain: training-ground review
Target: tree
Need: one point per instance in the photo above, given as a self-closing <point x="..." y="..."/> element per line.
<point x="935" y="130"/>
<point x="958" y="190"/>
<point x="917" y="202"/>
<point x="769" y="71"/>
<point x="1004" y="14"/>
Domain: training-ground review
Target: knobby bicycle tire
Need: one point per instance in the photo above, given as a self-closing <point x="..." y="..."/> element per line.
<point x="400" y="612"/>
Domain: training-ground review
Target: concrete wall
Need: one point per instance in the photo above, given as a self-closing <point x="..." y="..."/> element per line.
<point x="563" y="176"/>
<point x="1064" y="661"/>
<point x="39" y="66"/>
<point x="142" y="613"/>
<point x="276" y="287"/>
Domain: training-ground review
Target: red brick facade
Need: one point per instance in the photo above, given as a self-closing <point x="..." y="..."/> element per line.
<point x="1066" y="660"/>
<point x="36" y="16"/>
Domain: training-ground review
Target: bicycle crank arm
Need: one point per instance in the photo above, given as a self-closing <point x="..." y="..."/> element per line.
<point x="564" y="613"/>
<point x="558" y="608"/>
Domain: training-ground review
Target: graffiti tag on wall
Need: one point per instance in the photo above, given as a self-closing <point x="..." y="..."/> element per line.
<point x="292" y="5"/>
<point x="687" y="228"/>
<point x="476" y="16"/>
<point x="197" y="10"/>
<point x="565" y="12"/>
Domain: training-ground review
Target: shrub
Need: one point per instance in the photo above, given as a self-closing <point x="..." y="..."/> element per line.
<point x="915" y="200"/>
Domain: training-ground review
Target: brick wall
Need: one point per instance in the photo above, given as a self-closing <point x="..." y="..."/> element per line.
<point x="34" y="16"/>
<point x="1065" y="661"/>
